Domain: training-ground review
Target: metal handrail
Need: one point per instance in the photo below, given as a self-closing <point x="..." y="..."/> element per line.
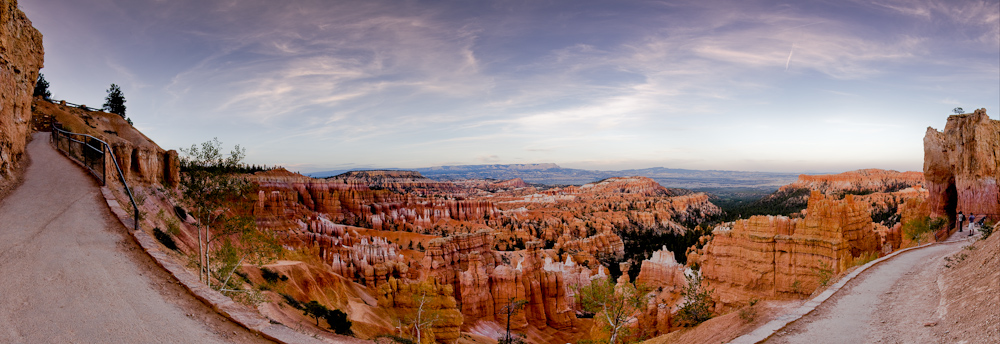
<point x="56" y="131"/>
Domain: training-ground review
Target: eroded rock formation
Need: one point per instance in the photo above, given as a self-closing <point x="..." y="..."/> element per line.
<point x="141" y="160"/>
<point x="772" y="256"/>
<point x="962" y="166"/>
<point x="858" y="182"/>
<point x="21" y="56"/>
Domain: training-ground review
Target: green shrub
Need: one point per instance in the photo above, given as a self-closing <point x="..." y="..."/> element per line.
<point x="915" y="229"/>
<point x="338" y="322"/>
<point x="987" y="229"/>
<point x="864" y="258"/>
<point x="697" y="301"/>
<point x="291" y="301"/>
<point x="749" y="313"/>
<point x="824" y="273"/>
<point x="272" y="277"/>
<point x="164" y="239"/>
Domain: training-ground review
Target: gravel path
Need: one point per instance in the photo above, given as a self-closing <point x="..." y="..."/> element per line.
<point x="896" y="301"/>
<point x="70" y="274"/>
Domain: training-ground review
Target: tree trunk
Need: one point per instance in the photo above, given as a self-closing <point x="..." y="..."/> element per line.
<point x="201" y="256"/>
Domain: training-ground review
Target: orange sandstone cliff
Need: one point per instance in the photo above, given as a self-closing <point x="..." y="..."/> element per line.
<point x="21" y="56"/>
<point x="771" y="257"/>
<point x="962" y="166"/>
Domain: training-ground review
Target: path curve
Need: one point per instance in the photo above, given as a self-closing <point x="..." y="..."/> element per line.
<point x="896" y="301"/>
<point x="69" y="272"/>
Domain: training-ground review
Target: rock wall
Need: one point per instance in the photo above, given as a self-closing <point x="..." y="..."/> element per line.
<point x="141" y="160"/>
<point x="773" y="256"/>
<point x="21" y="56"/>
<point x="962" y="166"/>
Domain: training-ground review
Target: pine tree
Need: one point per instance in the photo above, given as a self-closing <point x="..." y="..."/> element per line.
<point x="42" y="87"/>
<point x="115" y="101"/>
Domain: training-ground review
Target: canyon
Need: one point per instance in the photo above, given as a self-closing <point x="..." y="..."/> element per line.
<point x="489" y="242"/>
<point x="384" y="245"/>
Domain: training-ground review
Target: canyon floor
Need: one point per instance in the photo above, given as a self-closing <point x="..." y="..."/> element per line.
<point x="902" y="300"/>
<point x="71" y="274"/>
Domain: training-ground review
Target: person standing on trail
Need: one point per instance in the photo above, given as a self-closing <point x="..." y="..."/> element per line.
<point x="972" y="223"/>
<point x="960" y="218"/>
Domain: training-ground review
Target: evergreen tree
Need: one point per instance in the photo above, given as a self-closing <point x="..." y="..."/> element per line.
<point x="115" y="101"/>
<point x="42" y="87"/>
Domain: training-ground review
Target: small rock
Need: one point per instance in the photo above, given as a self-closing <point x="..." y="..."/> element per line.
<point x="930" y="324"/>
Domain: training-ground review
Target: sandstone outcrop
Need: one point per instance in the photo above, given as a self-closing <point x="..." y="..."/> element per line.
<point x="141" y="160"/>
<point x="858" y="182"/>
<point x="21" y="56"/>
<point x="665" y="276"/>
<point x="365" y="198"/>
<point x="774" y="256"/>
<point x="661" y="271"/>
<point x="428" y="300"/>
<point x="962" y="166"/>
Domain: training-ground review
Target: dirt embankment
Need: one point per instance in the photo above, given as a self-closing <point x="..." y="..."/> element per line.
<point x="970" y="302"/>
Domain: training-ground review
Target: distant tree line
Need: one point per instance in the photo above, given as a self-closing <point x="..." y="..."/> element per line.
<point x="782" y="202"/>
<point x="640" y="245"/>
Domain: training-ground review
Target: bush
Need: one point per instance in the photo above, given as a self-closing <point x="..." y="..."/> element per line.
<point x="864" y="258"/>
<point x="697" y="301"/>
<point x="271" y="277"/>
<point x="291" y="301"/>
<point x="987" y="229"/>
<point x="915" y="229"/>
<point x="335" y="318"/>
<point x="824" y="273"/>
<point x="749" y="313"/>
<point x="338" y="322"/>
<point x="164" y="239"/>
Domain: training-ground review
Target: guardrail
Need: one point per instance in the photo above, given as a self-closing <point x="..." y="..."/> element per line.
<point x="92" y="153"/>
<point x="66" y="103"/>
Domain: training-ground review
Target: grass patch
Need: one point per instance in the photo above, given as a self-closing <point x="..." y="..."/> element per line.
<point x="864" y="258"/>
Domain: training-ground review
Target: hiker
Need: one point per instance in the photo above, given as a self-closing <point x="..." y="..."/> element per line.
<point x="960" y="218"/>
<point x="972" y="223"/>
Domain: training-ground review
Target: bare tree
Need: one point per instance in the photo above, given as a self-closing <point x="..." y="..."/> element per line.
<point x="422" y="317"/>
<point x="615" y="307"/>
<point x="513" y="305"/>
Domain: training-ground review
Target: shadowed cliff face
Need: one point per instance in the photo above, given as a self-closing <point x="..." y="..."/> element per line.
<point x="962" y="166"/>
<point x="21" y="56"/>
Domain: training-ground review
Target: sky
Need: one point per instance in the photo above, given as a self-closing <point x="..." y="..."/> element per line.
<point x="779" y="86"/>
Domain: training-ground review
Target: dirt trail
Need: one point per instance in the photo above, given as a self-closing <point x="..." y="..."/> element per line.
<point x="70" y="274"/>
<point x="897" y="301"/>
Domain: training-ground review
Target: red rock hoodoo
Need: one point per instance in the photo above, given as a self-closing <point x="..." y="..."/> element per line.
<point x="962" y="166"/>
<point x="771" y="256"/>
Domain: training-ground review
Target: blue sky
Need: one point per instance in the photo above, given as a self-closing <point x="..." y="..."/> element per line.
<point x="789" y="86"/>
